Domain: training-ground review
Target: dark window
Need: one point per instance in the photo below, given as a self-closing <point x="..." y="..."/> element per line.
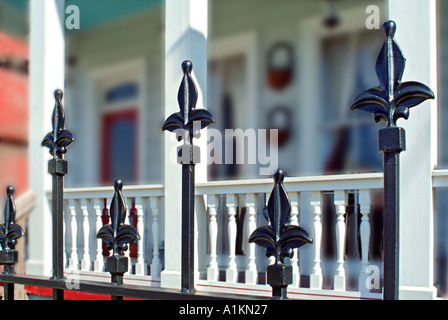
<point x="121" y="92"/>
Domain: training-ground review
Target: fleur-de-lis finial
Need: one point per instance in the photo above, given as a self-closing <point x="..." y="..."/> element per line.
<point x="58" y="139"/>
<point x="393" y="98"/>
<point x="187" y="99"/>
<point x="116" y="234"/>
<point x="10" y="231"/>
<point x="279" y="238"/>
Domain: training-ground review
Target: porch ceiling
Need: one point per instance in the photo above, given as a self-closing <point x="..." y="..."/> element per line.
<point x="98" y="12"/>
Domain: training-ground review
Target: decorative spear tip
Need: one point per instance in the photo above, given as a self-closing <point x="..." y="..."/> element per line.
<point x="9" y="191"/>
<point x="390" y="27"/>
<point x="187" y="66"/>
<point x="118" y="185"/>
<point x="58" y="94"/>
<point x="279" y="176"/>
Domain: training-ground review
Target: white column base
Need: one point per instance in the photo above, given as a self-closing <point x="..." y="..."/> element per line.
<point x="417" y="293"/>
<point x="339" y="283"/>
<point x="73" y="264"/>
<point x="85" y="265"/>
<point x="156" y="268"/>
<point x="231" y="275"/>
<point x="362" y="282"/>
<point x="251" y="277"/>
<point x="170" y="279"/>
<point x="212" y="274"/>
<point x="316" y="281"/>
<point x="140" y="269"/>
<point x="97" y="266"/>
<point x="34" y="267"/>
<point x="295" y="280"/>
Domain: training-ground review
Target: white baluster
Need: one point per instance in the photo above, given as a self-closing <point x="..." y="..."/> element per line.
<point x="64" y="226"/>
<point x="98" y="264"/>
<point x="232" y="271"/>
<point x="140" y="267"/>
<point x="340" y="201"/>
<point x="127" y="253"/>
<point x="271" y="258"/>
<point x="212" y="270"/>
<point x="73" y="260"/>
<point x="294" y="198"/>
<point x="316" y="275"/>
<point x="364" y="230"/>
<point x="251" y="272"/>
<point x="156" y="267"/>
<point x="85" y="262"/>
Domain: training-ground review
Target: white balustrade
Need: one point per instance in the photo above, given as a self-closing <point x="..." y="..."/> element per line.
<point x="127" y="253"/>
<point x="232" y="270"/>
<point x="316" y="275"/>
<point x="73" y="260"/>
<point x="156" y="266"/>
<point x="65" y="226"/>
<point x="98" y="263"/>
<point x="85" y="261"/>
<point x="364" y="230"/>
<point x="340" y="202"/>
<point x="84" y="218"/>
<point x="140" y="266"/>
<point x="294" y="199"/>
<point x="251" y="272"/>
<point x="212" y="270"/>
<point x="306" y="197"/>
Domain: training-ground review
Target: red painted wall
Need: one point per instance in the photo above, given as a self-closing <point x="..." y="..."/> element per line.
<point x="13" y="113"/>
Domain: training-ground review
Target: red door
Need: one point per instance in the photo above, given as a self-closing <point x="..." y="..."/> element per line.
<point x="119" y="147"/>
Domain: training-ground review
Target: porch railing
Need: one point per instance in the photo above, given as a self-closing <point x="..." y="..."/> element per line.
<point x="227" y="212"/>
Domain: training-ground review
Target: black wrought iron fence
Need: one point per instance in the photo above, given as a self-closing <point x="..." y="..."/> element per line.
<point x="390" y="101"/>
<point x="278" y="238"/>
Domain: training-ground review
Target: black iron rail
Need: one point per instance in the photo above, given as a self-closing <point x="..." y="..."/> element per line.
<point x="125" y="290"/>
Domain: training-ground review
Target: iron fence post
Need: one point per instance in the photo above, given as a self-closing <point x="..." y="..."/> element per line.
<point x="58" y="169"/>
<point x="390" y="102"/>
<point x="57" y="141"/>
<point x="187" y="278"/>
<point x="9" y="233"/>
<point x="279" y="238"/>
<point x="117" y="235"/>
<point x="391" y="143"/>
<point x="186" y="124"/>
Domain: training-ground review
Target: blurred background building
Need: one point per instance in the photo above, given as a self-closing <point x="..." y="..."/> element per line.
<point x="14" y="95"/>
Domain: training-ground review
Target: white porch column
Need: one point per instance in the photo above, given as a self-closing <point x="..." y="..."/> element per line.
<point x="416" y="35"/>
<point x="47" y="55"/>
<point x="186" y="25"/>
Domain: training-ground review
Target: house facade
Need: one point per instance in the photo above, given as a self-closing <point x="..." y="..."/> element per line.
<point x="294" y="67"/>
<point x="14" y="92"/>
